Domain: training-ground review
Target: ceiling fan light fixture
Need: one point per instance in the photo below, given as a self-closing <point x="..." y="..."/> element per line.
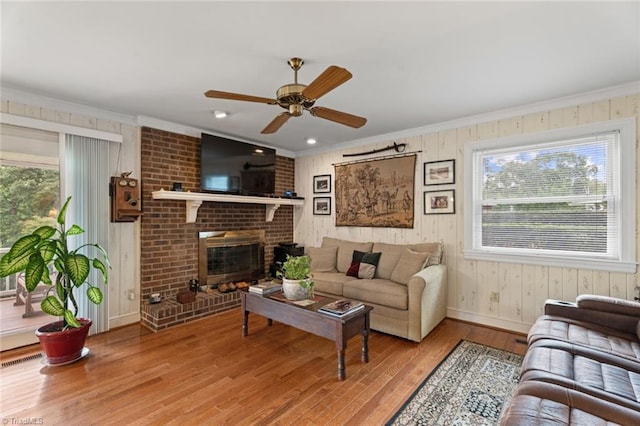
<point x="220" y="114"/>
<point x="295" y="110"/>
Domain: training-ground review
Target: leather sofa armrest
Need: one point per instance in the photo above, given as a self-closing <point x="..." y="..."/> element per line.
<point x="611" y="316"/>
<point x="608" y="304"/>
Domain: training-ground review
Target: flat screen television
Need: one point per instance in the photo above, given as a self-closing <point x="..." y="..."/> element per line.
<point x="233" y="167"/>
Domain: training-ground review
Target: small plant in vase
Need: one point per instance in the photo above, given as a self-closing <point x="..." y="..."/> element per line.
<point x="296" y="278"/>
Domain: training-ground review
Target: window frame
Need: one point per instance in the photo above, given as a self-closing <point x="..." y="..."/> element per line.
<point x="624" y="166"/>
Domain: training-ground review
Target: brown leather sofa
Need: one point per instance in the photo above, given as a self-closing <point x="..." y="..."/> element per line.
<point x="582" y="366"/>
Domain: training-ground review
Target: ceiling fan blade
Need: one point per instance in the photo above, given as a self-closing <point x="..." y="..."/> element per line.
<point x="237" y="97"/>
<point x="276" y="123"/>
<point x="331" y="78"/>
<point x="338" y="116"/>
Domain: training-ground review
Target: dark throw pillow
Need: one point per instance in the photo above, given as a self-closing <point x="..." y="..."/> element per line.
<point x="363" y="265"/>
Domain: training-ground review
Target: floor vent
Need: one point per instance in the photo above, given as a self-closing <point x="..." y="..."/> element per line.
<point x="21" y="360"/>
<point x="521" y="341"/>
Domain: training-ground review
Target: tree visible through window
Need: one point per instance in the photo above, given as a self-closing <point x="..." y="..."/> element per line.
<point x="28" y="199"/>
<point x="548" y="198"/>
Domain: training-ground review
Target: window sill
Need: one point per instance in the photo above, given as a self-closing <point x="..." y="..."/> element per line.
<point x="563" y="262"/>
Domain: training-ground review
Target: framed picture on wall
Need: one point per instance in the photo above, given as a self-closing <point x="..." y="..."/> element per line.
<point x="440" y="172"/>
<point x="439" y="202"/>
<point x="322" y="184"/>
<point x="322" y="205"/>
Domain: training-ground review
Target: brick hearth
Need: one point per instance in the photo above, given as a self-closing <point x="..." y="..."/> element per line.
<point x="169" y="245"/>
<point x="169" y="312"/>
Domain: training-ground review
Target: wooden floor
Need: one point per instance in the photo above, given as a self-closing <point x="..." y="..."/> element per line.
<point x="205" y="372"/>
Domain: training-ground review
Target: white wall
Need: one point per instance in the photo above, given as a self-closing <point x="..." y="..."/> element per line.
<point x="124" y="241"/>
<point x="521" y="289"/>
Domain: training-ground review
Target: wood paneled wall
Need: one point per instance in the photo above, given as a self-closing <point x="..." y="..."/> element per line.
<point x="500" y="294"/>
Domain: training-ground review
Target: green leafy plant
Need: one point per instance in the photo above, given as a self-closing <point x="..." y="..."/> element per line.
<point x="298" y="268"/>
<point x="46" y="249"/>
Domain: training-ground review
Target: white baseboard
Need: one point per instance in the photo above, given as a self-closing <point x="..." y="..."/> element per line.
<point x="16" y="339"/>
<point x="510" y="325"/>
<point x="124" y="320"/>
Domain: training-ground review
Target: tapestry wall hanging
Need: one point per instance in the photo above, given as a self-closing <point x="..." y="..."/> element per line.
<point x="376" y="193"/>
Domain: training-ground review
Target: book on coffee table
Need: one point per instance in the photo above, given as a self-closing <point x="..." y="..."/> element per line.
<point x="341" y="307"/>
<point x="265" y="288"/>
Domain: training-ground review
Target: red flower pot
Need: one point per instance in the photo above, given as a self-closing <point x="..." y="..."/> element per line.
<point x="65" y="346"/>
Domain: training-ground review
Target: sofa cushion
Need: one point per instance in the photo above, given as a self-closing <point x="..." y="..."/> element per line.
<point x="378" y="291"/>
<point x="345" y="251"/>
<point x="586" y="334"/>
<point x="581" y="371"/>
<point x="434" y="250"/>
<point x="539" y="403"/>
<point x="390" y="254"/>
<point x="409" y="264"/>
<point x="323" y="259"/>
<point x="363" y="265"/>
<point x="330" y="282"/>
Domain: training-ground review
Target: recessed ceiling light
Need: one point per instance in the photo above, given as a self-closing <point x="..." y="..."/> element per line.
<point x="311" y="141"/>
<point x="220" y="114"/>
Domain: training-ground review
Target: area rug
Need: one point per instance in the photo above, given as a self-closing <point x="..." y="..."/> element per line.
<point x="469" y="387"/>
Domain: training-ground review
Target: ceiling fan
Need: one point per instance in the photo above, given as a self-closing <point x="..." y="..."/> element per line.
<point x="297" y="97"/>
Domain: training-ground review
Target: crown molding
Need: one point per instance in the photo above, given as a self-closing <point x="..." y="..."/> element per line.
<point x="548" y="105"/>
<point x="16" y="95"/>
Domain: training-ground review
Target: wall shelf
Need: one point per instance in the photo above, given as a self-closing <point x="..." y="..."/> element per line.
<point x="193" y="201"/>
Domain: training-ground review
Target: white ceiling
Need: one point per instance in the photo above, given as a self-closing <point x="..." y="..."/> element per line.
<point x="413" y="63"/>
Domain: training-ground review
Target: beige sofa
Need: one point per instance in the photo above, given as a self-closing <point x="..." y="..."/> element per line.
<point x="408" y="288"/>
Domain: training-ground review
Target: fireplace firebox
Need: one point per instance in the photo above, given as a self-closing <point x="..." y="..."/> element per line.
<point x="231" y="256"/>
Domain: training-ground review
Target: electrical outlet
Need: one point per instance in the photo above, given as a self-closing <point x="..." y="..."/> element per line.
<point x="131" y="294"/>
<point x="495" y="297"/>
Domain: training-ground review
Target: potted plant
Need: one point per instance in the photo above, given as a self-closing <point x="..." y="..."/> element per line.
<point x="45" y="257"/>
<point x="296" y="278"/>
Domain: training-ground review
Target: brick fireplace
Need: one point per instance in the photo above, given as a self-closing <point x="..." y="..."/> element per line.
<point x="169" y="246"/>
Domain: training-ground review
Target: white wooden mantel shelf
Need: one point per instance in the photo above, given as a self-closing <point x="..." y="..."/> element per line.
<point x="193" y="201"/>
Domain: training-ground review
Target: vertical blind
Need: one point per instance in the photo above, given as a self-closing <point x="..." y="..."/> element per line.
<point x="554" y="197"/>
<point x="86" y="179"/>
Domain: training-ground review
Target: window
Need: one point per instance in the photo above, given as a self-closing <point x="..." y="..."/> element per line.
<point x="563" y="198"/>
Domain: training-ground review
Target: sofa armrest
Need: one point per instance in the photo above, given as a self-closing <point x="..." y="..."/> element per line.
<point x="427" y="292"/>
<point x="605" y="311"/>
<point x="609" y="304"/>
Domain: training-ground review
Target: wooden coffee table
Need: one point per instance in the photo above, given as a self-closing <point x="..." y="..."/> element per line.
<point x="307" y="318"/>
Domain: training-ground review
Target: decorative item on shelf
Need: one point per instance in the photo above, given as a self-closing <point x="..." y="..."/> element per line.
<point x="125" y="198"/>
<point x="296" y="278"/>
<point x="193" y="285"/>
<point x="177" y="186"/>
<point x="46" y="257"/>
<point x="155" y="298"/>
